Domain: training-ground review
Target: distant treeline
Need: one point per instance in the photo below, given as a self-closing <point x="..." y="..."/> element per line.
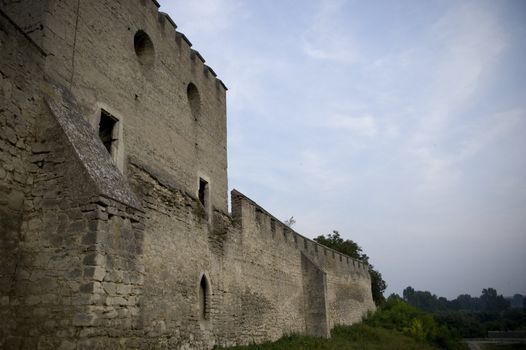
<point x="471" y="316"/>
<point x="489" y="301"/>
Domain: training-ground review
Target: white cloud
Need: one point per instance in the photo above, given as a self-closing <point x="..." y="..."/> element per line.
<point x="360" y="125"/>
<point x="441" y="171"/>
<point x="468" y="43"/>
<point x="497" y="126"/>
<point x="328" y="37"/>
<point x="206" y="17"/>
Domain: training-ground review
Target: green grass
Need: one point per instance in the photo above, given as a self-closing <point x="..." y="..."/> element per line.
<point x="394" y="326"/>
<point x="359" y="337"/>
<point x="503" y="346"/>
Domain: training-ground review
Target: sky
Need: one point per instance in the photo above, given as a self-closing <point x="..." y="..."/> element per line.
<point x="401" y="124"/>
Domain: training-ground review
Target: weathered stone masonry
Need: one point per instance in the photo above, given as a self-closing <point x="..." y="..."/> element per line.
<point x="129" y="243"/>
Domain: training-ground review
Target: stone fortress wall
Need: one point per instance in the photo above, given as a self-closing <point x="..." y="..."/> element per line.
<point x="135" y="248"/>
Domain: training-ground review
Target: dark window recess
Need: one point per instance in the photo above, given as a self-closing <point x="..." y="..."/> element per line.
<point x="194" y="100"/>
<point x="144" y="48"/>
<point x="203" y="299"/>
<point x="106" y="126"/>
<point x="203" y="191"/>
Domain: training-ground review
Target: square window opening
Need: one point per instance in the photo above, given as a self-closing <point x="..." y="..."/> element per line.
<point x="107" y="130"/>
<point x="203" y="192"/>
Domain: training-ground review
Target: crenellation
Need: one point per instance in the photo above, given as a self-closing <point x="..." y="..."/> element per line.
<point x="165" y="16"/>
<point x="219" y="82"/>
<point x="209" y="70"/>
<point x="296" y="240"/>
<point x="194" y="54"/>
<point x="180" y="37"/>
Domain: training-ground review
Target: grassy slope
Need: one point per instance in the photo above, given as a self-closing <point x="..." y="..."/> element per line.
<point x="503" y="347"/>
<point x="360" y="337"/>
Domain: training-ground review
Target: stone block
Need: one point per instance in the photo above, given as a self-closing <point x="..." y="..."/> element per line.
<point x="40" y="147"/>
<point x="77" y="227"/>
<point x="94" y="259"/>
<point x="111" y="314"/>
<point x="124" y="289"/>
<point x="84" y="319"/>
<point x="92" y="287"/>
<point x="119" y="301"/>
<point x="67" y="345"/>
<point x="97" y="273"/>
<point x="110" y="288"/>
<point x="32" y="300"/>
<point x="9" y="134"/>
<point x="114" y="276"/>
<point x="15" y="200"/>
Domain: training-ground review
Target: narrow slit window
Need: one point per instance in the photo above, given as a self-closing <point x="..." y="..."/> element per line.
<point x="203" y="192"/>
<point x="204" y="307"/>
<point x="107" y="130"/>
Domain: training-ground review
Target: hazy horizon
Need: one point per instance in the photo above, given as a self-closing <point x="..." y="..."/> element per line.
<point x="400" y="124"/>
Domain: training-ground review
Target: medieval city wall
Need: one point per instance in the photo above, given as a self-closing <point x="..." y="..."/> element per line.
<point x="68" y="253"/>
<point x="348" y="296"/>
<point x="261" y="285"/>
<point x="101" y="252"/>
<point x="22" y="63"/>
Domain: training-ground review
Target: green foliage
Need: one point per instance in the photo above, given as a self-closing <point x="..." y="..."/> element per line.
<point x="398" y="315"/>
<point x="492" y="302"/>
<point x="378" y="285"/>
<point x="395" y="326"/>
<point x="349" y="247"/>
<point x="517" y="301"/>
<point x="463" y="324"/>
<point x="467" y="316"/>
<point x="477" y="324"/>
<point x="504" y="347"/>
<point x="345" y="337"/>
<point x="489" y="301"/>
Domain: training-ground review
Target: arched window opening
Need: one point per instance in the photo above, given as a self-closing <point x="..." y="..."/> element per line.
<point x="194" y="100"/>
<point x="144" y="48"/>
<point x="204" y="302"/>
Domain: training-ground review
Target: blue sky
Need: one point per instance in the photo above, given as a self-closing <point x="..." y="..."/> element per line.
<point x="401" y="124"/>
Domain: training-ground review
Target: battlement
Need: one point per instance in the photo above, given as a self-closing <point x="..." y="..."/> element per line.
<point x="179" y="38"/>
<point x="248" y="214"/>
<point x="34" y="18"/>
<point x="128" y="59"/>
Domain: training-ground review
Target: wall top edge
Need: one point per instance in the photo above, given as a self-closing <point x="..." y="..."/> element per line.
<point x="236" y="193"/>
<point x="169" y="19"/>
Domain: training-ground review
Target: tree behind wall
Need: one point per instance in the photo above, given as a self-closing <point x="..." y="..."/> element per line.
<point x="349" y="247"/>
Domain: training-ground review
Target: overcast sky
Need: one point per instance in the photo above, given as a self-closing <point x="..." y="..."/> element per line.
<point x="401" y="124"/>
